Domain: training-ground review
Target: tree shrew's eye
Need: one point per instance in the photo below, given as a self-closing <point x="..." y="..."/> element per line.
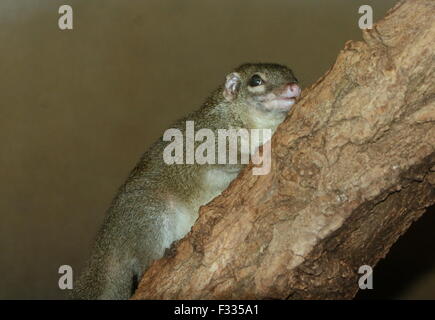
<point x="255" y="81"/>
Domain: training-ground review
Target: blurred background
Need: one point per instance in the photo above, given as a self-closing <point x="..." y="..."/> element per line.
<point x="79" y="107"/>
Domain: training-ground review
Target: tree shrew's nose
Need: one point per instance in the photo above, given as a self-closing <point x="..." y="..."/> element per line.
<point x="291" y="90"/>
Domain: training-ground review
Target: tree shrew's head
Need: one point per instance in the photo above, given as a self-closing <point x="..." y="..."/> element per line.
<point x="263" y="87"/>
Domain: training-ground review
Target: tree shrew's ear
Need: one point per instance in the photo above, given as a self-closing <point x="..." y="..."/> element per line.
<point x="232" y="86"/>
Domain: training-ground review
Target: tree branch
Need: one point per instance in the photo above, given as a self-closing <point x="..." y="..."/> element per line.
<point x="352" y="167"/>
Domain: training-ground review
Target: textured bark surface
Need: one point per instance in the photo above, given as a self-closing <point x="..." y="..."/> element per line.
<point x="352" y="167"/>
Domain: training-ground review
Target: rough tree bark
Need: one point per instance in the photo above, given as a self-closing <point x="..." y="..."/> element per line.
<point x="352" y="167"/>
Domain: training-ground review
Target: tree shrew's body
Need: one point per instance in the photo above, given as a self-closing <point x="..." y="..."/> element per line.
<point x="159" y="203"/>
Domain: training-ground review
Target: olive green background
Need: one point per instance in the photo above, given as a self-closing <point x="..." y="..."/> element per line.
<point x="79" y="107"/>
